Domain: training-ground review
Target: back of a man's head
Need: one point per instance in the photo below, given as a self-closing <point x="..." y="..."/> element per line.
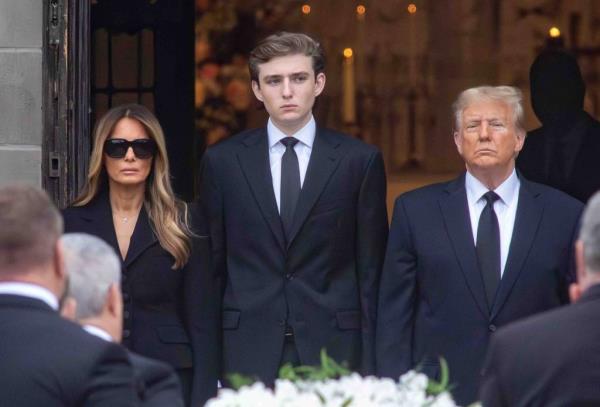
<point x="92" y="266"/>
<point x="30" y="226"/>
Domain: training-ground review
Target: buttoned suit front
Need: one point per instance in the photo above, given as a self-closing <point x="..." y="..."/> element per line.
<point x="432" y="298"/>
<point x="322" y="279"/>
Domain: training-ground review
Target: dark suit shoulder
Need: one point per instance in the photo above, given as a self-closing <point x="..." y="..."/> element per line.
<point x="425" y="193"/>
<point x="234" y="141"/>
<point x="156" y="382"/>
<point x="554" y="196"/>
<point x="352" y="143"/>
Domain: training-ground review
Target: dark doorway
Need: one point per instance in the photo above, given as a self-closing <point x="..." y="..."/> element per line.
<point x="142" y="51"/>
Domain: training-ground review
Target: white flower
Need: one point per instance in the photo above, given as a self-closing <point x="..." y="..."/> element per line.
<point x="350" y="391"/>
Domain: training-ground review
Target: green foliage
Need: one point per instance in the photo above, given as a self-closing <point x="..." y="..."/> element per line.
<point x="238" y="381"/>
<point x="329" y="369"/>
<point x="434" y="387"/>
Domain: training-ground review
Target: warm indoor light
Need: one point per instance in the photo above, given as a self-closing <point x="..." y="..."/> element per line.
<point x="412" y="8"/>
<point x="361" y="10"/>
<point x="554" y="32"/>
<point x="348" y="52"/>
<point x="305" y="9"/>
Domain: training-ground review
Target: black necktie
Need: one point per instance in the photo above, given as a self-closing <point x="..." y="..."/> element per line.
<point x="488" y="247"/>
<point x="290" y="184"/>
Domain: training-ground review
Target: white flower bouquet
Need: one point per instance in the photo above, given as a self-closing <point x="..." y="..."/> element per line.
<point x="331" y="385"/>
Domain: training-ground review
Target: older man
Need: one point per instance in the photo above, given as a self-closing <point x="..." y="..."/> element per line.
<point x="553" y="359"/>
<point x="94" y="276"/>
<point x="44" y="359"/>
<point x="470" y="255"/>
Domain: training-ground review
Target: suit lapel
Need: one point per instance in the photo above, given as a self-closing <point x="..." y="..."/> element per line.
<point x="254" y="160"/>
<point x="324" y="159"/>
<point x="99" y="216"/>
<point x="142" y="237"/>
<point x="527" y="220"/>
<point x="455" y="211"/>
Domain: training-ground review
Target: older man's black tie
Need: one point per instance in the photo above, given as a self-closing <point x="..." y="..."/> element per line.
<point x="290" y="184"/>
<point x="488" y="247"/>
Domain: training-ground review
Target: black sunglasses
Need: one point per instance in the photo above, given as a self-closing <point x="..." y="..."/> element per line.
<point x="142" y="147"/>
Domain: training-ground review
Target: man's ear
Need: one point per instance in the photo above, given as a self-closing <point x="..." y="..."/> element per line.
<point x="320" y="83"/>
<point x="257" y="91"/>
<point x="114" y="301"/>
<point x="59" y="269"/>
<point x="69" y="308"/>
<point x="458" y="141"/>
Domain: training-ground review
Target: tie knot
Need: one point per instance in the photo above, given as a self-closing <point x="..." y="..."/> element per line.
<point x="289" y="142"/>
<point x="490" y="197"/>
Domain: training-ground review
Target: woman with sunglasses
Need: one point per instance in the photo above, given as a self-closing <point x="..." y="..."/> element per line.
<point x="170" y="310"/>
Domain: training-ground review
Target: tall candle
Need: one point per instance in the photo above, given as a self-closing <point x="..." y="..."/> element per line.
<point x="348" y="88"/>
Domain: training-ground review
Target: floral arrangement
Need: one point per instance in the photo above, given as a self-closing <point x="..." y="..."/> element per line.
<point x="331" y="385"/>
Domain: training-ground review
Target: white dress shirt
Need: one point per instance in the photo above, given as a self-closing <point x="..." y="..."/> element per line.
<point x="99" y="332"/>
<point x="505" y="208"/>
<point x="306" y="138"/>
<point x="30" y="290"/>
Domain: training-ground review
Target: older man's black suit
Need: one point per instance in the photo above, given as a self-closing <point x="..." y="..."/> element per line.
<point x="432" y="298"/>
<point x="552" y="359"/>
<point x="157" y="384"/>
<point x="323" y="277"/>
<point x="48" y="361"/>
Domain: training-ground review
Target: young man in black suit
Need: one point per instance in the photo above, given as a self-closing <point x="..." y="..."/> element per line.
<point x="553" y="359"/>
<point x="95" y="301"/>
<point x="298" y="224"/>
<point x="467" y="256"/>
<point x="44" y="359"/>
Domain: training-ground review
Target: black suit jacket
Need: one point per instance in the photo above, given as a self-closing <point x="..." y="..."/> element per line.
<point x="169" y="315"/>
<point x="552" y="359"/>
<point x="157" y="384"/>
<point x="323" y="279"/>
<point x="582" y="178"/>
<point x="48" y="361"/>
<point x="432" y="299"/>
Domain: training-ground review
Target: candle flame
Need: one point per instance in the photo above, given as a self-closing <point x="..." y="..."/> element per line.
<point x="305" y="9"/>
<point x="554" y="32"/>
<point x="361" y="10"/>
<point x="412" y="8"/>
<point x="348" y="52"/>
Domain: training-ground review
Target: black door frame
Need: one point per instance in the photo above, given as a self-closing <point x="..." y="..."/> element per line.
<point x="66" y="101"/>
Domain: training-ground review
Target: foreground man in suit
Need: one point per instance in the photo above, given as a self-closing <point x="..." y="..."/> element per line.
<point x="44" y="359"/>
<point x="298" y="224"/>
<point x="564" y="152"/>
<point x="553" y="359"/>
<point x="470" y="255"/>
<point x="94" y="293"/>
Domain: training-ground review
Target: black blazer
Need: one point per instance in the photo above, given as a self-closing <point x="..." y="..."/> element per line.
<point x="583" y="177"/>
<point x="432" y="300"/>
<point x="169" y="315"/>
<point x="549" y="360"/>
<point x="48" y="361"/>
<point x="323" y="279"/>
<point x="157" y="384"/>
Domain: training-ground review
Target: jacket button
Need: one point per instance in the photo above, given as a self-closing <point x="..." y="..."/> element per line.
<point x="492" y="328"/>
<point x="126" y="333"/>
<point x="282" y="322"/>
<point x="289" y="276"/>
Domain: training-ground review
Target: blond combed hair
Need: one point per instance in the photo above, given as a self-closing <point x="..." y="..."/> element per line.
<point x="168" y="215"/>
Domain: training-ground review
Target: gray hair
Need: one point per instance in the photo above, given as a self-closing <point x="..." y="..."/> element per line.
<point x="30" y="226"/>
<point x="590" y="234"/>
<point x="92" y="266"/>
<point x="509" y="95"/>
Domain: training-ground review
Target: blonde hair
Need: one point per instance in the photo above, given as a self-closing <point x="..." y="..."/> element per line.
<point x="168" y="215"/>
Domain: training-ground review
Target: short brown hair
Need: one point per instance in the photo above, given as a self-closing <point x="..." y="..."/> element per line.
<point x="282" y="44"/>
<point x="30" y="226"/>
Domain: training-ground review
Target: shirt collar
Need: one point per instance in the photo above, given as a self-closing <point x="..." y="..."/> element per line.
<point x="306" y="135"/>
<point x="507" y="191"/>
<point x="99" y="332"/>
<point x="30" y="290"/>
